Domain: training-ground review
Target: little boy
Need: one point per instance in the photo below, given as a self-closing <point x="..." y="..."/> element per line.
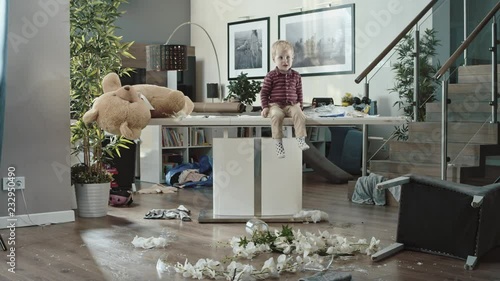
<point x="281" y="96"/>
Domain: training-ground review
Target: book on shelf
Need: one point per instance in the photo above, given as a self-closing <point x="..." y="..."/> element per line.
<point x="171" y="137"/>
<point x="197" y="137"/>
<point x="172" y="157"/>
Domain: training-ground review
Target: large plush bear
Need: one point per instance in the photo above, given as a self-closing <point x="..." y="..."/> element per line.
<point x="165" y="101"/>
<point x="121" y="110"/>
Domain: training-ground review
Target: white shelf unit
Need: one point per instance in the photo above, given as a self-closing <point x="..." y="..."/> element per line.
<point x="187" y="142"/>
<point x="161" y="145"/>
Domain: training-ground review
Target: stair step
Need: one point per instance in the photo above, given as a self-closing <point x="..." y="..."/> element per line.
<point x="472" y="92"/>
<point x="460" y="132"/>
<point x="430" y="152"/>
<point x="460" y="111"/>
<point x="476" y="70"/>
<point x="479" y="78"/>
<point x="480" y="177"/>
<point x="461" y="107"/>
<point x="393" y="169"/>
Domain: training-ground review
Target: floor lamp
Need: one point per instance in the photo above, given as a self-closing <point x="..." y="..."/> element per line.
<point x="174" y="57"/>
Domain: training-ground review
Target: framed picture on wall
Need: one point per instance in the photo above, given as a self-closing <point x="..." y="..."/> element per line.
<point x="248" y="48"/>
<point x="323" y="40"/>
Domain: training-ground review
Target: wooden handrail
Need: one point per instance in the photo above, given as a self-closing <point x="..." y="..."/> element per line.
<point x="467" y="42"/>
<point x="394" y="42"/>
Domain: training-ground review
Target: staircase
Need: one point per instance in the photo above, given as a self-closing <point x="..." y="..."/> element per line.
<point x="472" y="138"/>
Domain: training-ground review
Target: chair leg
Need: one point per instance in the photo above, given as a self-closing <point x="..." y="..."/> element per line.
<point x="477" y="201"/>
<point x="388" y="251"/>
<point x="470" y="263"/>
<point x="2" y="244"/>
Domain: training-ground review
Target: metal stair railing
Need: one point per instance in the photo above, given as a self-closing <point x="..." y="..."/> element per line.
<point x="494" y="84"/>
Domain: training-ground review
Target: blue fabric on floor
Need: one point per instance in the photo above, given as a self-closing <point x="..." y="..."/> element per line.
<point x="366" y="192"/>
<point x="204" y="167"/>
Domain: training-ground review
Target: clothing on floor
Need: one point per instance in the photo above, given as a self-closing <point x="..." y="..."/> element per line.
<point x="366" y="192"/>
<point x="181" y="213"/>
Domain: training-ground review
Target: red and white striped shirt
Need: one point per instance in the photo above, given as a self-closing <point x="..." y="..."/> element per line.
<point x="281" y="88"/>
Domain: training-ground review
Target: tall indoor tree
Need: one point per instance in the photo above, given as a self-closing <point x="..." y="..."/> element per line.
<point x="95" y="51"/>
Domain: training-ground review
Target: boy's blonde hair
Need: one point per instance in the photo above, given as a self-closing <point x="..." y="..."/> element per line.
<point x="281" y="44"/>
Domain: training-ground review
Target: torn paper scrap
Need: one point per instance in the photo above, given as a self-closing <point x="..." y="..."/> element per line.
<point x="148" y="243"/>
<point x="314" y="215"/>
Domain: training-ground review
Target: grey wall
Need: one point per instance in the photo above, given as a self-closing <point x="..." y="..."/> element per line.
<point x="478" y="51"/>
<point x="36" y="132"/>
<point x="153" y="21"/>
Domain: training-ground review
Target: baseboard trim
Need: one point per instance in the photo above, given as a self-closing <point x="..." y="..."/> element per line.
<point x="38" y="219"/>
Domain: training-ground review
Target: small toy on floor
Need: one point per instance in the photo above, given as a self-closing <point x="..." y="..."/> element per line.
<point x="120" y="197"/>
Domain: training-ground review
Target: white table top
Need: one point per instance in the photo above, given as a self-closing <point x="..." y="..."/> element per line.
<point x="258" y="121"/>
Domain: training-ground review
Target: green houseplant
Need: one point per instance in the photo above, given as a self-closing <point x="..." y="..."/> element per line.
<point x="404" y="79"/>
<point x="94" y="52"/>
<point x="243" y="89"/>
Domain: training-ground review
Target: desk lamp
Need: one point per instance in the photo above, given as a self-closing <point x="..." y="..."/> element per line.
<point x="174" y="57"/>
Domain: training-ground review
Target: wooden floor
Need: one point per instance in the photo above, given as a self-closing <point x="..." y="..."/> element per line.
<point x="101" y="249"/>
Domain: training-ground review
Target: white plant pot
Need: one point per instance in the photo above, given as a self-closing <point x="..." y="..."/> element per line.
<point x="92" y="199"/>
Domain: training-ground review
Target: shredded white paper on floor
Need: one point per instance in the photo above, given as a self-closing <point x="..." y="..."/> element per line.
<point x="314" y="215"/>
<point x="148" y="243"/>
<point x="158" y="188"/>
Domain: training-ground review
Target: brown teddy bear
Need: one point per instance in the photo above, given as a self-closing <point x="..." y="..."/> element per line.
<point x="165" y="101"/>
<point x="122" y="111"/>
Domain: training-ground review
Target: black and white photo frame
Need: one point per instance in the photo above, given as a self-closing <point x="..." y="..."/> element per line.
<point x="248" y="48"/>
<point x="323" y="39"/>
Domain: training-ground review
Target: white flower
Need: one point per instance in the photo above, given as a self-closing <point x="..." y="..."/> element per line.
<point x="191" y="271"/>
<point x="324" y="234"/>
<point x="373" y="247"/>
<point x="282" y="244"/>
<point x="269" y="266"/>
<point x="246" y="273"/>
<point x="263" y="248"/>
<point x="281" y="262"/>
<point x="249" y="251"/>
<point x="234" y="242"/>
<point x="306" y="248"/>
<point x="330" y="250"/>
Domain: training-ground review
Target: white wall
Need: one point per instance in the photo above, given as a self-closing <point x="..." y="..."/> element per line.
<point x="377" y="23"/>
<point x="153" y="21"/>
<point x="36" y="130"/>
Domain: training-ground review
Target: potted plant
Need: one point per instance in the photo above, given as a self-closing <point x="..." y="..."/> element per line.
<point x="94" y="52"/>
<point x="243" y="90"/>
<point x="404" y="84"/>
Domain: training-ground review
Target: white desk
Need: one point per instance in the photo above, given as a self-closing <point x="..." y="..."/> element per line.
<point x="243" y="202"/>
<point x="258" y="121"/>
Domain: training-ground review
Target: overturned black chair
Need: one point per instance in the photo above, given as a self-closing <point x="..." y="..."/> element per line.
<point x="445" y="218"/>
